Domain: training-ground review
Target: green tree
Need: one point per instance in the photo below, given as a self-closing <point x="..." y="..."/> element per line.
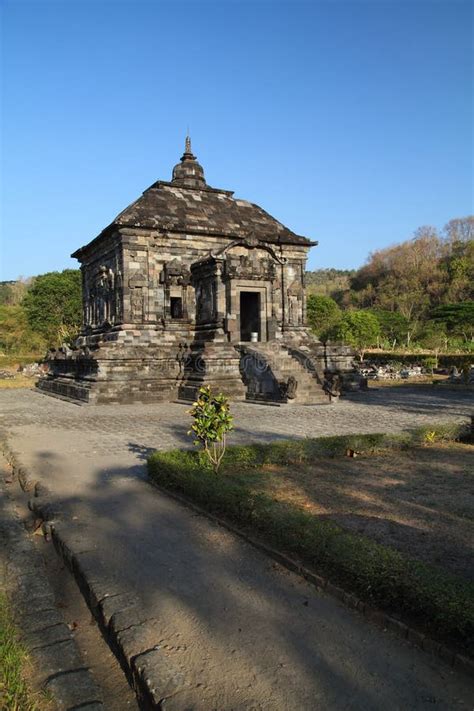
<point x="458" y="267"/>
<point x="359" y="329"/>
<point x="322" y="314"/>
<point x="434" y="338"/>
<point x="393" y="326"/>
<point x="53" y="305"/>
<point x="16" y="335"/>
<point x="458" y="318"/>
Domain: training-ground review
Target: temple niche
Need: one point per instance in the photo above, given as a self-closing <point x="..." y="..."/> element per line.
<point x="190" y="285"/>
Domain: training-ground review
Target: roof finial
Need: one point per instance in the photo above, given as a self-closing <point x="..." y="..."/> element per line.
<point x="187" y="148"/>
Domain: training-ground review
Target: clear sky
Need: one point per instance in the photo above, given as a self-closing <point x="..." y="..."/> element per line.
<point x="350" y="122"/>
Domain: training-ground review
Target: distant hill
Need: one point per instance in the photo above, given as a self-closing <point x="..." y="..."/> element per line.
<point x="328" y="282"/>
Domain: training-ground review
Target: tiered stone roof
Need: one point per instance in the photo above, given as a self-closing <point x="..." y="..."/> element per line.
<point x="188" y="205"/>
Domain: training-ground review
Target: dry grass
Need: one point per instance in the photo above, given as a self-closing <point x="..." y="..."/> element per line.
<point x="419" y="501"/>
<point x="19" y="381"/>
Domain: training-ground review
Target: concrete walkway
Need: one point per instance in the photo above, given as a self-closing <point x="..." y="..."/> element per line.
<point x="246" y="633"/>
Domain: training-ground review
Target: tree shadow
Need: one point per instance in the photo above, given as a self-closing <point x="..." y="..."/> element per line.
<point x="434" y="401"/>
<point x="419" y="503"/>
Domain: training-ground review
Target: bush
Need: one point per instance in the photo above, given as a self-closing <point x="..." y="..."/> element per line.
<point x="322" y="314"/>
<point x="441" y="433"/>
<point x="429" y="363"/>
<point x="212" y="422"/>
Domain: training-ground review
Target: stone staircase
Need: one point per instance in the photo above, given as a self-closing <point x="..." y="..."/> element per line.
<point x="272" y="374"/>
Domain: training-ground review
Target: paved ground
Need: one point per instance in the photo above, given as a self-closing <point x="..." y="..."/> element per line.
<point x="248" y="634"/>
<point x="128" y="430"/>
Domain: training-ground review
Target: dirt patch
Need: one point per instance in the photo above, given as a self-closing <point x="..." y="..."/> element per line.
<point x="420" y="502"/>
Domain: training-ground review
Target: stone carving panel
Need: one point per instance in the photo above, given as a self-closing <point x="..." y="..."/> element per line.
<point x="205" y="301"/>
<point x="103" y="297"/>
<point x="295" y="294"/>
<point x="137" y="283"/>
<point x="249" y="266"/>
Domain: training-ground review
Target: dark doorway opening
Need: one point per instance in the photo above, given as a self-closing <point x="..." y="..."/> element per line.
<point x="249" y="315"/>
<point x="176" y="307"/>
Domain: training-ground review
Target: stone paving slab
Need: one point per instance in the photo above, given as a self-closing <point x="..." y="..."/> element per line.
<point x="243" y="632"/>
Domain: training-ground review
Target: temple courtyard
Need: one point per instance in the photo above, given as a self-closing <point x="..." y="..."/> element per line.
<point x="126" y="433"/>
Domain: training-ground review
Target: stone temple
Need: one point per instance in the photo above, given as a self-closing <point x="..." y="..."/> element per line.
<point x="189" y="286"/>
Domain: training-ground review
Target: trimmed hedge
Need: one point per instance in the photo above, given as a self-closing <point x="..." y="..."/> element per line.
<point x="447" y="360"/>
<point x="441" y="602"/>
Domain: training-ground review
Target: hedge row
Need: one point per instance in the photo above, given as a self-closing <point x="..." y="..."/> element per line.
<point x="444" y="361"/>
<point x="442" y="603"/>
<point x="287" y="452"/>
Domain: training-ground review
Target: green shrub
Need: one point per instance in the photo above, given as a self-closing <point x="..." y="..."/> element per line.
<point x="440" y="433"/>
<point x="395" y="365"/>
<point x="211" y="423"/>
<point x="429" y="363"/>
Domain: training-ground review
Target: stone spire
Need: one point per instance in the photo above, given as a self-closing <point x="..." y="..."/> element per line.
<point x="188" y="173"/>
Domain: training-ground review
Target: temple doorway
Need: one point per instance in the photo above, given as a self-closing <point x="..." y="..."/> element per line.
<point x="249" y="315"/>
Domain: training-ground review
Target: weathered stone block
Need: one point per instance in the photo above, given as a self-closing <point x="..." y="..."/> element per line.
<point x="75" y="689"/>
<point x="158" y="675"/>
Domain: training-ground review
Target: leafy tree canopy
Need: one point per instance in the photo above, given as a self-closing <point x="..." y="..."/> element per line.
<point x="322" y="314"/>
<point x="458" y="318"/>
<point x="12" y="292"/>
<point x="393" y="325"/>
<point x="53" y="305"/>
<point x="16" y="335"/>
<point x="359" y="329"/>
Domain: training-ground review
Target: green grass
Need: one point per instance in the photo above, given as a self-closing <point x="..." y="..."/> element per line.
<point x="14" y="692"/>
<point x="438" y="601"/>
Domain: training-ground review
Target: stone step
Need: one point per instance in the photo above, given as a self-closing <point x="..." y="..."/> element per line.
<point x="283" y="365"/>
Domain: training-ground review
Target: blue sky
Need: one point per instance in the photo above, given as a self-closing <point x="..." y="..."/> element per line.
<point x="351" y="122"/>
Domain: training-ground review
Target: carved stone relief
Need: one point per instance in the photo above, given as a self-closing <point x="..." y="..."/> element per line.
<point x="295" y="294"/>
<point x="103" y="297"/>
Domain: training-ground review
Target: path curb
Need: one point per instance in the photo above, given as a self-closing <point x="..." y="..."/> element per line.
<point x="128" y="632"/>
